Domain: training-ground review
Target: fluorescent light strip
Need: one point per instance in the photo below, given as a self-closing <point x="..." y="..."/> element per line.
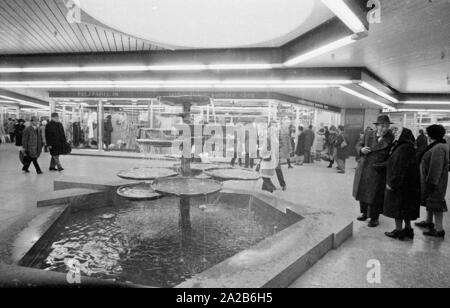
<point x="371" y="88"/>
<point x="179" y="84"/>
<point x="426" y="102"/>
<point x="22" y="102"/>
<point x="345" y="13"/>
<point x="137" y="68"/>
<point x="364" y="97"/>
<point x="321" y="50"/>
<point x="423" y="110"/>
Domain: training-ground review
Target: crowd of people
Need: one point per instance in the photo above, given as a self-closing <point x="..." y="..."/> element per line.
<point x="396" y="174"/>
<point x="34" y="136"/>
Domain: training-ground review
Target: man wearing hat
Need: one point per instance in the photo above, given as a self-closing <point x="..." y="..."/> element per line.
<point x="370" y="181"/>
<point x="56" y="141"/>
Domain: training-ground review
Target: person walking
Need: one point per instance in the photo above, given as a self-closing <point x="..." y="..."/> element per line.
<point x="309" y="141"/>
<point x="107" y="131"/>
<point x="18" y="131"/>
<point x="369" y="183"/>
<point x="300" y="148"/>
<point x="340" y="148"/>
<point x="402" y="194"/>
<point x="421" y="142"/>
<point x="42" y="128"/>
<point x="32" y="145"/>
<point x="434" y="162"/>
<point x="56" y="142"/>
<point x="270" y="162"/>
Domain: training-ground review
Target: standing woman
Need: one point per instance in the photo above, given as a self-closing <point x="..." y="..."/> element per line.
<point x="56" y="141"/>
<point x="32" y="145"/>
<point x="434" y="178"/>
<point x="340" y="145"/>
<point x="402" y="195"/>
<point x="285" y="144"/>
<point x="18" y="131"/>
<point x="331" y="145"/>
<point x="300" y="149"/>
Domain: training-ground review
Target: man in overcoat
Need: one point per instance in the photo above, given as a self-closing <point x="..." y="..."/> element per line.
<point x="370" y="181"/>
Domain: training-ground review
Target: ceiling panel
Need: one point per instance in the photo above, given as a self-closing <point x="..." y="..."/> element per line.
<point x="409" y="49"/>
<point x="40" y="26"/>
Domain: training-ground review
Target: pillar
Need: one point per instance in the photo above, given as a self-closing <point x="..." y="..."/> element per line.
<point x="100" y="125"/>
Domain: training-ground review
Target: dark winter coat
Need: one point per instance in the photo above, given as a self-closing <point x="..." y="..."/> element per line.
<point x="309" y="139"/>
<point x="370" y="182"/>
<point x="341" y="145"/>
<point x="107" y="131"/>
<point x="18" y="132"/>
<point x="32" y="141"/>
<point x="434" y="177"/>
<point x="300" y="149"/>
<point x="56" y="138"/>
<point x="421" y="143"/>
<point x="402" y="201"/>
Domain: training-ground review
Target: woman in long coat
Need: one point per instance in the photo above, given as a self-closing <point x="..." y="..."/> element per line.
<point x="300" y="148"/>
<point x="402" y="195"/>
<point x="434" y="180"/>
<point x="285" y="145"/>
<point x="369" y="183"/>
<point x="18" y="132"/>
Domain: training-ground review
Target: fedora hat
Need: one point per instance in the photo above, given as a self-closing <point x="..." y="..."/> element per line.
<point x="383" y="119"/>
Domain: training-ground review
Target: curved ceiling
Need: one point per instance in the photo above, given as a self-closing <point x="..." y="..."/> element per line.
<point x="210" y="23"/>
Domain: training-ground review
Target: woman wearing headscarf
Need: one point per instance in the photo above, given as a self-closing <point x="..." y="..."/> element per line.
<point x="402" y="194"/>
<point x="18" y="131"/>
<point x="434" y="179"/>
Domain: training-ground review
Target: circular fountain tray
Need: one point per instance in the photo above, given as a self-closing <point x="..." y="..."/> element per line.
<point x="146" y="174"/>
<point x="141" y="191"/>
<point x="233" y="174"/>
<point x="185" y="187"/>
<point x="199" y="166"/>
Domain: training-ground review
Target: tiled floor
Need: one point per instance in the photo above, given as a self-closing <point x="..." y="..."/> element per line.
<point x="423" y="262"/>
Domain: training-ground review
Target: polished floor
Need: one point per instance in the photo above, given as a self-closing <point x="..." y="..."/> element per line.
<point x="423" y="262"/>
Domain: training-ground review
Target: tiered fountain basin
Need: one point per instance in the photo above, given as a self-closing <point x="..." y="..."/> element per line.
<point x="238" y="238"/>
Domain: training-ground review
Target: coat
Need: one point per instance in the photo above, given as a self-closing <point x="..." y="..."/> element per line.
<point x="369" y="182"/>
<point x="309" y="139"/>
<point x="269" y="155"/>
<point x="55" y="137"/>
<point x="421" y="143"/>
<point x="402" y="201"/>
<point x="434" y="177"/>
<point x="341" y="145"/>
<point x="107" y="131"/>
<point x="32" y="141"/>
<point x="18" y="131"/>
<point x="285" y="145"/>
<point x="300" y="149"/>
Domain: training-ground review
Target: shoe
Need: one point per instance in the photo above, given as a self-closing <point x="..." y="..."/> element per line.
<point x="425" y="224"/>
<point x="373" y="223"/>
<point x="341" y="172"/>
<point x="434" y="233"/>
<point x="396" y="234"/>
<point x="408" y="233"/>
<point x="26" y="171"/>
<point x="362" y="218"/>
<point x="39" y="172"/>
<point x="53" y="169"/>
<point x="284" y="188"/>
<point x="60" y="169"/>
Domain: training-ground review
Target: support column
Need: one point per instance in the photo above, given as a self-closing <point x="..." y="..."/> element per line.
<point x="100" y="125"/>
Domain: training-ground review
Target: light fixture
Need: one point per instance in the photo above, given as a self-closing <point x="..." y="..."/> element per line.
<point x="345" y="13"/>
<point x="23" y="102"/>
<point x="426" y="102"/>
<point x="178" y="84"/>
<point x="423" y="110"/>
<point x="321" y="50"/>
<point x="367" y="98"/>
<point x="371" y="88"/>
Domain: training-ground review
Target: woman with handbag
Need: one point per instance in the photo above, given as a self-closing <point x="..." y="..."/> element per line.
<point x="340" y="149"/>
